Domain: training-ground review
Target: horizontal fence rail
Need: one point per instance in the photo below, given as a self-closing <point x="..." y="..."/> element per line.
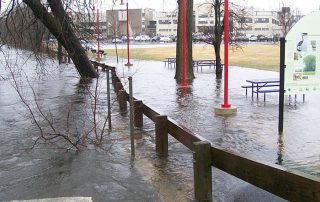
<point x="288" y="184"/>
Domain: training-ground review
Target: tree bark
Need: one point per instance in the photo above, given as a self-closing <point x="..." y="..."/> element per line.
<point x="218" y="31"/>
<point x="59" y="26"/>
<point x="189" y="63"/>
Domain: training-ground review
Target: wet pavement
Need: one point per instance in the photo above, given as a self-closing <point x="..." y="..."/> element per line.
<point x="107" y="173"/>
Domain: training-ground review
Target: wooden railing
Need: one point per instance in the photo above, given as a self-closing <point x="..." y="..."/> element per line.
<point x="288" y="184"/>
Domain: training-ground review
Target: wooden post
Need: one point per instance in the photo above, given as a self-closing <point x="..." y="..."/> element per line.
<point x="118" y="87"/>
<point x="161" y="130"/>
<point x="138" y="113"/>
<point x="122" y="98"/>
<point x="109" y="99"/>
<point x="202" y="171"/>
<point x="131" y="116"/>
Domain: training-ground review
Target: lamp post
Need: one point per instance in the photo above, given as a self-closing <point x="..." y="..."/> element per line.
<point x="184" y="43"/>
<point x="226" y="108"/>
<point x="98" y="32"/>
<point x="128" y="34"/>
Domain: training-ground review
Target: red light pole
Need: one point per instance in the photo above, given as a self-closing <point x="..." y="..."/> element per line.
<point x="226" y="55"/>
<point x="128" y="34"/>
<point x="184" y="43"/>
<point x="98" y="31"/>
<point x="226" y="108"/>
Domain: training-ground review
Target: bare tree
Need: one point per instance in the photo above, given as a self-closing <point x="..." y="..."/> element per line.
<point x="288" y="18"/>
<point x="236" y="13"/>
<point x="53" y="15"/>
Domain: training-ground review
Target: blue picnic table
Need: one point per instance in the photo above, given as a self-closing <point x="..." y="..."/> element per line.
<point x="264" y="86"/>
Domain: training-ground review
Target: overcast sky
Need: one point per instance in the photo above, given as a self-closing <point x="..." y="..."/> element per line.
<point x="305" y="6"/>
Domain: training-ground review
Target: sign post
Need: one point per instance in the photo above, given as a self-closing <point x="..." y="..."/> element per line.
<point x="282" y="75"/>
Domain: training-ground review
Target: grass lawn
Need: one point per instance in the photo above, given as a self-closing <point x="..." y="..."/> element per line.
<point x="258" y="56"/>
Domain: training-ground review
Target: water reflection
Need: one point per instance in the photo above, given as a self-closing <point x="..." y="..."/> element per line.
<point x="280" y="149"/>
<point x="218" y="87"/>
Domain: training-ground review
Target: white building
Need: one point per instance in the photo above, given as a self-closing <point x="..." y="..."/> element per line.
<point x="204" y="18"/>
<point x="167" y="23"/>
<point x="262" y="23"/>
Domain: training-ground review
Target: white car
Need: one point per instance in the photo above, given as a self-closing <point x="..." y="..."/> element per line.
<point x="165" y="39"/>
<point x="142" y="38"/>
<point x="116" y="40"/>
<point x="253" y="38"/>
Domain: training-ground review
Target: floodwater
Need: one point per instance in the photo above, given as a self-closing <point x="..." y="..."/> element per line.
<point x="107" y="173"/>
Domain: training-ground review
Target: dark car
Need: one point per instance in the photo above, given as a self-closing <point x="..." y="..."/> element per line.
<point x="155" y="39"/>
<point x="262" y="38"/>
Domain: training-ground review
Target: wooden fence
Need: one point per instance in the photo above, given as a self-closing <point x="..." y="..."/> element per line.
<point x="287" y="184"/>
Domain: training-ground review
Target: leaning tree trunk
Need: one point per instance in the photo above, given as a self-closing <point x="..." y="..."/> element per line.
<point x="59" y="25"/>
<point x="189" y="63"/>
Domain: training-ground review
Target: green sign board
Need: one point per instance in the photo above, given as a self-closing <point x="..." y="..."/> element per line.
<point x="303" y="56"/>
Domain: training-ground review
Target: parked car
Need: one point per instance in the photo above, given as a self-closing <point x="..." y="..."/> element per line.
<point x="143" y="38"/>
<point x="116" y="40"/>
<point x="253" y="38"/>
<point x="124" y="38"/>
<point x="173" y="38"/>
<point x="155" y="39"/>
<point x="241" y="38"/>
<point x="165" y="39"/>
<point x="261" y="38"/>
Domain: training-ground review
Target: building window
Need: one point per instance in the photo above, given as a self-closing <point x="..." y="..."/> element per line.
<point x="175" y="21"/>
<point x="203" y="16"/>
<point x="257" y="29"/>
<point x="164" y="22"/>
<point x="261" y="20"/>
<point x="202" y="22"/>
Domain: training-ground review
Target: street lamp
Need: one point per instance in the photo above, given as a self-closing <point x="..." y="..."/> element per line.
<point x="226" y="108"/>
<point x="128" y="34"/>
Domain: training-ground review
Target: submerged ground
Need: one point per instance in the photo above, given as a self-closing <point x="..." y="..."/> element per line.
<point x="109" y="174"/>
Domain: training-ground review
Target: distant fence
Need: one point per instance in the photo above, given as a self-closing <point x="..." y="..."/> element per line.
<point x="287" y="184"/>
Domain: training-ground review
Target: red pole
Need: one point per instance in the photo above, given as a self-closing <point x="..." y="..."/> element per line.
<point x="226" y="54"/>
<point x="128" y="37"/>
<point x="98" y="35"/>
<point x="184" y="43"/>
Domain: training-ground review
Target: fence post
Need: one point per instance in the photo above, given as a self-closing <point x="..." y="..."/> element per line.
<point x="108" y="98"/>
<point x="122" y="98"/>
<point x="161" y="130"/>
<point x="202" y="171"/>
<point x="131" y="116"/>
<point x="138" y="113"/>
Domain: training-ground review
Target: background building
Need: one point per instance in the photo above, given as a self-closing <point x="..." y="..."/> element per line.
<point x="167" y="23"/>
<point x="141" y="21"/>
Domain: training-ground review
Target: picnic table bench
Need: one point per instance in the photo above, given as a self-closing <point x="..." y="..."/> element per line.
<point x="195" y="63"/>
<point x="264" y="86"/>
<point x="202" y="63"/>
<point x="170" y="61"/>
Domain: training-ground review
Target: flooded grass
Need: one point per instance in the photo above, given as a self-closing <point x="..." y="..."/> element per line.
<point x="253" y="56"/>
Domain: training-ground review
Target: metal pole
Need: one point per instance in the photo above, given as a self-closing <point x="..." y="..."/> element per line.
<point x="128" y="37"/>
<point x="226" y="55"/>
<point x="131" y="117"/>
<point x="98" y="30"/>
<point x="184" y="43"/>
<point x="282" y="74"/>
<point x="108" y="98"/>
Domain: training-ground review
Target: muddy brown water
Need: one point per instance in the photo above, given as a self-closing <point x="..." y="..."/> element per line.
<point x="108" y="172"/>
